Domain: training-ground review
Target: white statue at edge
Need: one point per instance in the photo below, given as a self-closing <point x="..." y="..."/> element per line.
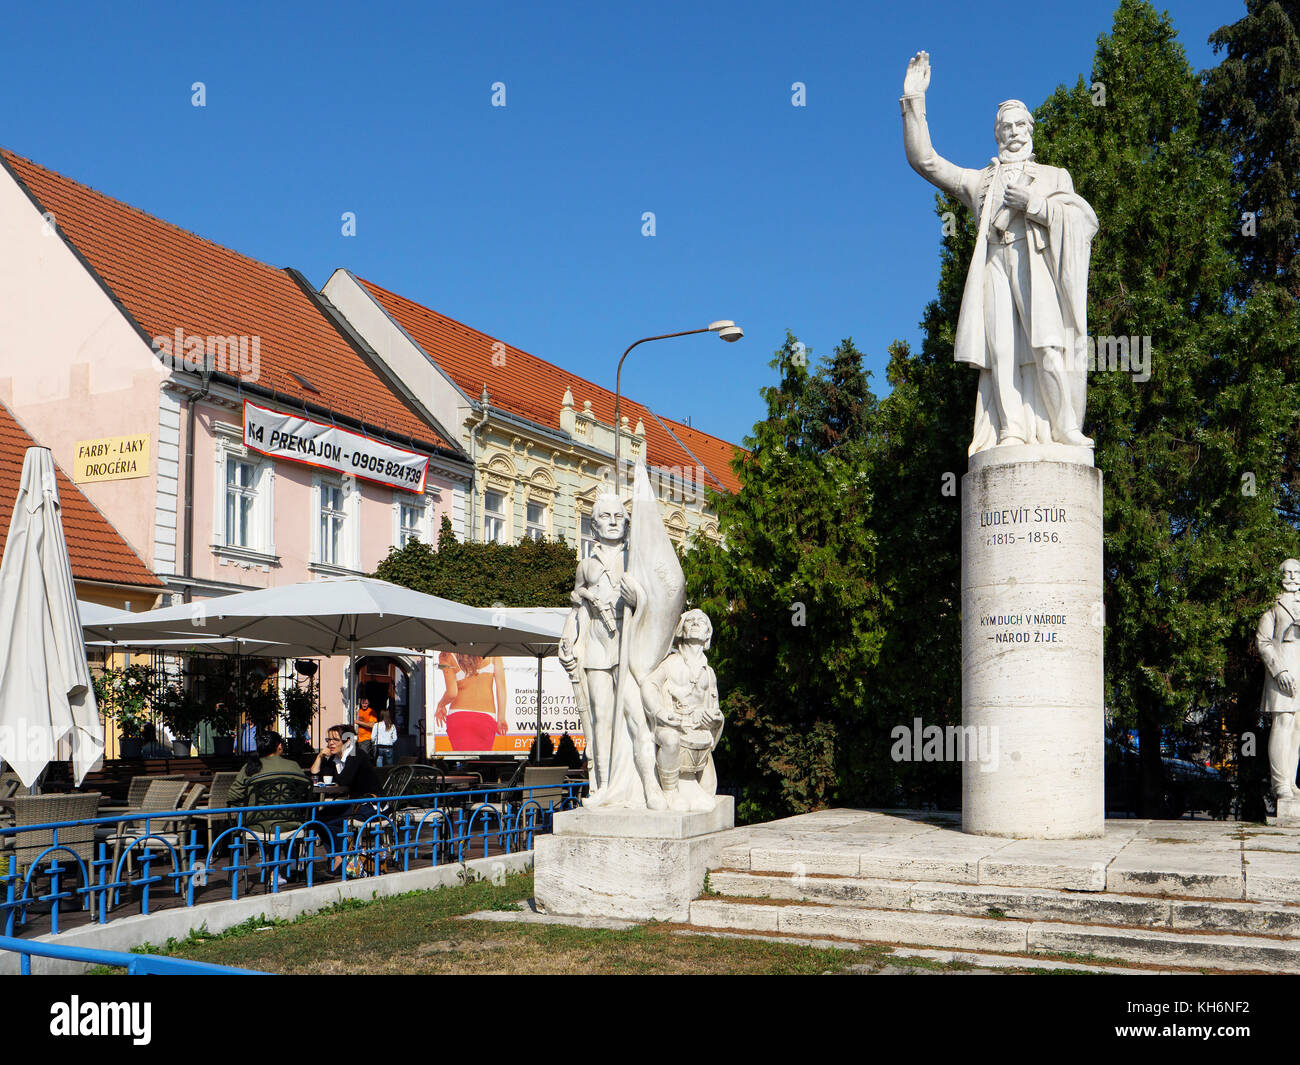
<point x="615" y="646"/>
<point x="1024" y="309"/>
<point x="1277" y="638"/>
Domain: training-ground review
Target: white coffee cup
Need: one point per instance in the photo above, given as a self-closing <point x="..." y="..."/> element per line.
<point x="327" y="780"/>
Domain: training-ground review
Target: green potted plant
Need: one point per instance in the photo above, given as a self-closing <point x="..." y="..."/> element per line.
<point x="299" y="713"/>
<point x="222" y="717"/>
<point x="262" y="705"/>
<point x="124" y="696"/>
<point x="181" y="713"/>
<point x="218" y="701"/>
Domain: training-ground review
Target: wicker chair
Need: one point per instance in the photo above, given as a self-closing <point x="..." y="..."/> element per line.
<point x="545" y="775"/>
<point x="177" y="831"/>
<point x="218" y="796"/>
<point x="278" y="791"/>
<point x="50" y="809"/>
<point x="135" y="794"/>
<point x="162" y="795"/>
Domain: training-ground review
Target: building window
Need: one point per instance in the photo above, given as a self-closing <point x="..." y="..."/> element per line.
<point x="494" y="518"/>
<point x="410" y="521"/>
<point x="241" y="503"/>
<point x="536" y="525"/>
<point x="588" y="536"/>
<point x="333" y="524"/>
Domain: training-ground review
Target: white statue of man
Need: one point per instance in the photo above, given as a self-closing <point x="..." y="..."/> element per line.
<point x="681" y="700"/>
<point x="1023" y="319"/>
<point x="1278" y="639"/>
<point x="590" y="650"/>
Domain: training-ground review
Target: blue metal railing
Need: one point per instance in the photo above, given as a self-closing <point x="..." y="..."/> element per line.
<point x="314" y="841"/>
<point x="135" y="964"/>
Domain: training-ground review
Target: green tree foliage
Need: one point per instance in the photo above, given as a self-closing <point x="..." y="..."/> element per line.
<point x="915" y="461"/>
<point x="529" y="573"/>
<point x="793" y="594"/>
<point x="1251" y="106"/>
<point x="1193" y="457"/>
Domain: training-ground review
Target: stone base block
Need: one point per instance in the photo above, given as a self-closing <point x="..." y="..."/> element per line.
<point x="640" y="865"/>
<point x="1288" y="813"/>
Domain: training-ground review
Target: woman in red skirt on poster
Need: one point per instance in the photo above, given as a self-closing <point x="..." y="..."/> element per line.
<point x="473" y="708"/>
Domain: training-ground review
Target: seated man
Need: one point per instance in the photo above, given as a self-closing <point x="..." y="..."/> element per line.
<point x="681" y="697"/>
<point x="267" y="764"/>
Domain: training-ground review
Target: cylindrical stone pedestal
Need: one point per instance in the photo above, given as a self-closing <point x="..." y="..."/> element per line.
<point x="1033" y="706"/>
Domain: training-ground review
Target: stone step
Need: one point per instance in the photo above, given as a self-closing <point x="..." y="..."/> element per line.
<point x="1220" y="869"/>
<point x="1025" y="903"/>
<point x="1146" y="946"/>
<point x="946" y="957"/>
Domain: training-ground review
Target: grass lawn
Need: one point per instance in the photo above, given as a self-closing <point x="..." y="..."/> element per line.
<point x="423" y="933"/>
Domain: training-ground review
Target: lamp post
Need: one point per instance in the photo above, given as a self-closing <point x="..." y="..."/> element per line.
<point x="727" y="330"/>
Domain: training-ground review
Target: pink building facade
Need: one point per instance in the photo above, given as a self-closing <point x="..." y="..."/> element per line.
<point x="111" y="318"/>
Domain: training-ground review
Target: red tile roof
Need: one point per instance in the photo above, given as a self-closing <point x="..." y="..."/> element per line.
<point x="96" y="549"/>
<point x="166" y="277"/>
<point x="533" y="388"/>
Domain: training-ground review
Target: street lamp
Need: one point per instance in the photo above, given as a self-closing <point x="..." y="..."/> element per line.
<point x="726" y="329"/>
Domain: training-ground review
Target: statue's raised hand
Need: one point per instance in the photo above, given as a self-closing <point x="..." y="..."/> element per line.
<point x="917" y="78"/>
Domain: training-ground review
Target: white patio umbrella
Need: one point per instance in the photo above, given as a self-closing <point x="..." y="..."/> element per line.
<point x="340" y="615"/>
<point x="45" y="691"/>
<point x="91" y="614"/>
<point x="95" y="617"/>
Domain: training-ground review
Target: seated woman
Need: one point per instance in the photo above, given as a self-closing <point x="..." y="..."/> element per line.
<point x="346" y="763"/>
<point x="350" y="768"/>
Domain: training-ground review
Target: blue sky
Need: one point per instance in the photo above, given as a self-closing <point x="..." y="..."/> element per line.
<point x="525" y="221"/>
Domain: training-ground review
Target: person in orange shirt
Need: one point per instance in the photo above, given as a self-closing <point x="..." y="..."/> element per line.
<point x="366" y="719"/>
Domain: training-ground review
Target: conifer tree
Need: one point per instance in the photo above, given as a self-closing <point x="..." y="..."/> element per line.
<point x="792" y="594"/>
<point x="1251" y="107"/>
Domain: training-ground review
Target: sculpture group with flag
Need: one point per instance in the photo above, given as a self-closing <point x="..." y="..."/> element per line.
<point x="642" y="843"/>
<point x="647" y="695"/>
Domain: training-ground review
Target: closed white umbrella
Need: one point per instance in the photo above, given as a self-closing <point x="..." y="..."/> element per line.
<point x="45" y="691"/>
<point x="339" y="615"/>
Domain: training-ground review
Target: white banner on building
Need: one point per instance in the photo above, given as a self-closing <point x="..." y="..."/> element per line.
<point x="298" y="439"/>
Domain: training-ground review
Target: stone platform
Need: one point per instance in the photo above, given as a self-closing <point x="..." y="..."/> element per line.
<point x="1288" y="814"/>
<point x="628" y="864"/>
<point x="1191" y="895"/>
